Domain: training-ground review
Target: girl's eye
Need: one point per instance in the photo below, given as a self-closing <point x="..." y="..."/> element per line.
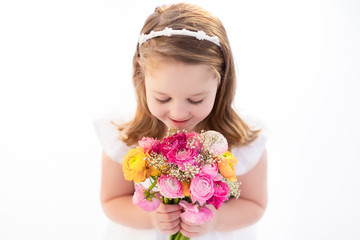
<point x="195" y="102"/>
<point x="163" y="101"/>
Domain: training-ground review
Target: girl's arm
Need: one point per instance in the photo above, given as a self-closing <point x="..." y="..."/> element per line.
<point x="116" y="200"/>
<point x="116" y="197"/>
<point x="251" y="205"/>
<point x="241" y="212"/>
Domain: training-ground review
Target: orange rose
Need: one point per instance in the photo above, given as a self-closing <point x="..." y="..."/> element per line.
<point x="227" y="166"/>
<point x="134" y="165"/>
<point x="185" y="186"/>
<point x="151" y="171"/>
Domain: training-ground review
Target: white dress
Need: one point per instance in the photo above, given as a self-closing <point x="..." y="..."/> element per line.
<point x="247" y="156"/>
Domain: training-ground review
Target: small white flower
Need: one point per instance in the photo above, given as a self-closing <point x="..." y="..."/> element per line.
<point x="151" y="34"/>
<point x="167" y="32"/>
<point x="201" y="35"/>
<point x="142" y="39"/>
<point x="215" y="142"/>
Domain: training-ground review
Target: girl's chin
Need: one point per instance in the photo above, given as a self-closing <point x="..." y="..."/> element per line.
<point x="188" y="129"/>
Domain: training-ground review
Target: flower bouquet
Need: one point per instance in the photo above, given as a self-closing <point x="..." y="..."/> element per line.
<point x="187" y="168"/>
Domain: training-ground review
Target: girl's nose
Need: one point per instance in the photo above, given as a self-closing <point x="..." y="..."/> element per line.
<point x="179" y="112"/>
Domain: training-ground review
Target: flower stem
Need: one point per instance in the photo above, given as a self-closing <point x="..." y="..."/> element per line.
<point x="153" y="184"/>
<point x="179" y="236"/>
<point x="176" y="235"/>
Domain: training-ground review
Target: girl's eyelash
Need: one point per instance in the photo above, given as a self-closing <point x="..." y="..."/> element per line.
<point x="195" y="102"/>
<point x="189" y="100"/>
<point x="163" y="101"/>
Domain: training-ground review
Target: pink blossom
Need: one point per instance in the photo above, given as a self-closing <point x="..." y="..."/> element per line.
<point x="182" y="157"/>
<point x="149" y="144"/>
<point x="145" y="200"/>
<point x="170" y="187"/>
<point x="216" y="201"/>
<point x="194" y="214"/>
<point x="221" y="190"/>
<point x="212" y="170"/>
<point x="201" y="188"/>
<point x="175" y="141"/>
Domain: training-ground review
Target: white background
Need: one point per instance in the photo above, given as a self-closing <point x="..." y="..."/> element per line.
<point x="64" y="62"/>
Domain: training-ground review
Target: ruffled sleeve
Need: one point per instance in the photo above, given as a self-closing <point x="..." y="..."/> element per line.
<point x="108" y="135"/>
<point x="249" y="155"/>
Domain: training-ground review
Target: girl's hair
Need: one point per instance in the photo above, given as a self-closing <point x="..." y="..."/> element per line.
<point x="187" y="49"/>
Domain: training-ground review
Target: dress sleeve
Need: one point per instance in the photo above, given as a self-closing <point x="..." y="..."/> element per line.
<point x="249" y="155"/>
<point x="108" y="135"/>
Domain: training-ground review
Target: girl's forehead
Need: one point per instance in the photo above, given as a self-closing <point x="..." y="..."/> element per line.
<point x="165" y="66"/>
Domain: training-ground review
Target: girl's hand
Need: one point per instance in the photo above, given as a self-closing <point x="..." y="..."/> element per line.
<point x="196" y="230"/>
<point x="166" y="219"/>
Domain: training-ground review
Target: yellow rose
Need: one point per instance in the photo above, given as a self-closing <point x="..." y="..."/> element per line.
<point x="134" y="165"/>
<point x="227" y="166"/>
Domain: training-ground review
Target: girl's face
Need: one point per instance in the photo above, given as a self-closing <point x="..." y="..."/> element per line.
<point x="180" y="94"/>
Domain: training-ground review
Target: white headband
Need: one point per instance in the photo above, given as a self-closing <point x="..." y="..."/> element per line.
<point x="200" y="35"/>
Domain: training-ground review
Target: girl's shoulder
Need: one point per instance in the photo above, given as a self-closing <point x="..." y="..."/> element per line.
<point x="108" y="134"/>
<point x="248" y="155"/>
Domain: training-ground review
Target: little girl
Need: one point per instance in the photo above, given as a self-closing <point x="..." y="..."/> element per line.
<point x="184" y="77"/>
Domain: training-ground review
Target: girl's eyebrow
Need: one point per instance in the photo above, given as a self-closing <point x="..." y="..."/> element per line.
<point x="194" y="95"/>
<point x="160" y="93"/>
<point x="200" y="93"/>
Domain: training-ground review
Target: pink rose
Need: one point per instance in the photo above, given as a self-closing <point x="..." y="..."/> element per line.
<point x="175" y="141"/>
<point x="215" y="142"/>
<point x="221" y="190"/>
<point x="195" y="215"/>
<point x="201" y="188"/>
<point x="212" y="170"/>
<point x="144" y="199"/>
<point x="170" y="187"/>
<point x="182" y="157"/>
<point x="149" y="144"/>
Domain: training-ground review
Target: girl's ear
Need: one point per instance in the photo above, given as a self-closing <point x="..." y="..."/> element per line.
<point x="218" y="79"/>
<point x="140" y="63"/>
<point x="217" y="76"/>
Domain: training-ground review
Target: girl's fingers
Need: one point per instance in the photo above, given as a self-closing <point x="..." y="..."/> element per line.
<point x="169" y="228"/>
<point x="171" y="231"/>
<point x="186" y="233"/>
<point x="168" y="213"/>
<point x="166" y="208"/>
<point x="170" y="225"/>
<point x="190" y="228"/>
<point x="191" y="231"/>
<point x="169" y="216"/>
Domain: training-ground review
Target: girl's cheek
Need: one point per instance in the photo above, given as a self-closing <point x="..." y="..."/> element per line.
<point x="205" y="110"/>
<point x="157" y="109"/>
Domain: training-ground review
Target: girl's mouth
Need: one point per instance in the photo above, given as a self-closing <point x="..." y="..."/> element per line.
<point x="179" y="123"/>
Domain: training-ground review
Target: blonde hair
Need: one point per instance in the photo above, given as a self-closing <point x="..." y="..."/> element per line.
<point x="223" y="117"/>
